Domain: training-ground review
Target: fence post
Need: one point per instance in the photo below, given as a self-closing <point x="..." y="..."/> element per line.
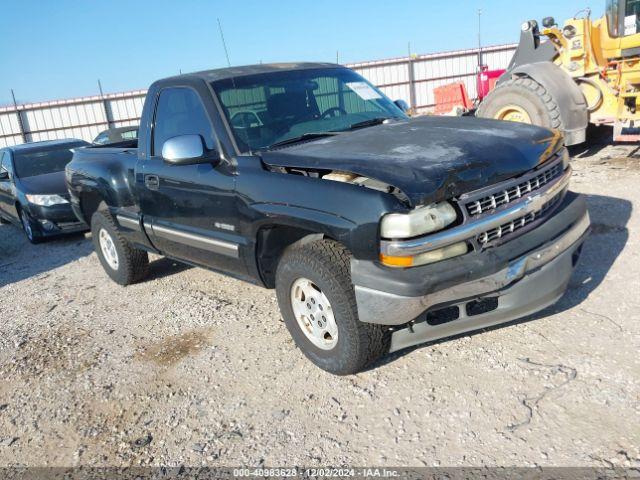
<point x="19" y="115"/>
<point x="412" y="83"/>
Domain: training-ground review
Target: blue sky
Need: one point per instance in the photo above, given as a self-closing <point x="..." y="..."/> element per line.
<point x="59" y="49"/>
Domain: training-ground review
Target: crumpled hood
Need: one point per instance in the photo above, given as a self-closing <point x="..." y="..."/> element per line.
<point x="50" y="183"/>
<point x="429" y="158"/>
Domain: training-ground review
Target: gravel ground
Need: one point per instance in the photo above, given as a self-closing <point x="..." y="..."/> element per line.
<point x="194" y="368"/>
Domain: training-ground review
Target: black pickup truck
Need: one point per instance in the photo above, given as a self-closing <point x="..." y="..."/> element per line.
<point x="378" y="231"/>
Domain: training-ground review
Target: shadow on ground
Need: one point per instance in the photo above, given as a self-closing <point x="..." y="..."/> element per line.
<point x="609" y="218"/>
<point x="598" y="138"/>
<point x="20" y="260"/>
<point x="164" y="267"/>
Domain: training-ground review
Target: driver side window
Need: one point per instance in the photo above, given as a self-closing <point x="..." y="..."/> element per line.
<point x="180" y="112"/>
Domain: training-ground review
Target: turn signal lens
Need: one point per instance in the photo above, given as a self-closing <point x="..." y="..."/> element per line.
<point x="399" y="262"/>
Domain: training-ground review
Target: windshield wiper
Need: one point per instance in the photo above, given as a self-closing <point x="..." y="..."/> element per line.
<point x="367" y="123"/>
<point x="301" y="138"/>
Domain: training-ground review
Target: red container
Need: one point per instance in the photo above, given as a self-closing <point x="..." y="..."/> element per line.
<point x="487" y="81"/>
<point x="449" y="97"/>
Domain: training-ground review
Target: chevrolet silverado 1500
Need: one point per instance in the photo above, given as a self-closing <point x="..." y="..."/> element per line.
<point x="378" y="231"/>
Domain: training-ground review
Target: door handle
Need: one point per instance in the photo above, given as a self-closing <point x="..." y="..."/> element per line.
<point x="152" y="182"/>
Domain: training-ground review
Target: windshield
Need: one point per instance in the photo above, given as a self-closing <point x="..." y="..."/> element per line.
<point x="270" y="108"/>
<point x="41" y="162"/>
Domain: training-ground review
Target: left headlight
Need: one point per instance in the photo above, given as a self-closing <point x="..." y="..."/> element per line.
<point x="46" y="200"/>
<point x="418" y="222"/>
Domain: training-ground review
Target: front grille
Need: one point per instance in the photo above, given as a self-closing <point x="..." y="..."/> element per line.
<point x="485" y="238"/>
<point x="514" y="191"/>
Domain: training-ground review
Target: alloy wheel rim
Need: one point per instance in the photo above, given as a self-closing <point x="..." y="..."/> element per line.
<point x="108" y="249"/>
<point x="314" y="314"/>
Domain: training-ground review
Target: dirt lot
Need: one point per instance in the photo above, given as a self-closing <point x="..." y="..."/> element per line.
<point x="192" y="368"/>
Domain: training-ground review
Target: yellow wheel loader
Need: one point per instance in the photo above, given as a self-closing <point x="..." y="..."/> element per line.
<point x="587" y="71"/>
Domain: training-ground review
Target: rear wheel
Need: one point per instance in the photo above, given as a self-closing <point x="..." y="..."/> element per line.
<point x="317" y="301"/>
<point x="122" y="262"/>
<point x="522" y="100"/>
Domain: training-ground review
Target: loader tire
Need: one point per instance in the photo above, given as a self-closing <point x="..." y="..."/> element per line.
<point x="524" y="100"/>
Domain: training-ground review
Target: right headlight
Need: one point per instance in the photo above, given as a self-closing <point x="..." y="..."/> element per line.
<point x="421" y="221"/>
<point x="418" y="222"/>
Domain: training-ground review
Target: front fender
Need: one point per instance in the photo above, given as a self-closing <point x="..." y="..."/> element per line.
<point x="334" y="226"/>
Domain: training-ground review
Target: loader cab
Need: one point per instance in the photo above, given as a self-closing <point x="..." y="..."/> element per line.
<point x="622" y="23"/>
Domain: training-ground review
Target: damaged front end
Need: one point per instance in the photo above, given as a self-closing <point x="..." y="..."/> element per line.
<point x="487" y="217"/>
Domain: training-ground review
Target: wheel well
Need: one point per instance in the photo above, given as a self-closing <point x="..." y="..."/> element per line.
<point x="90" y="202"/>
<point x="272" y="241"/>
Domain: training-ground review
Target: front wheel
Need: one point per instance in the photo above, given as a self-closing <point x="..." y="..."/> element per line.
<point x="317" y="301"/>
<point x="122" y="262"/>
<point x="29" y="227"/>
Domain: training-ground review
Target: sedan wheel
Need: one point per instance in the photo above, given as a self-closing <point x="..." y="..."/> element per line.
<point x="29" y="229"/>
<point x="26" y="226"/>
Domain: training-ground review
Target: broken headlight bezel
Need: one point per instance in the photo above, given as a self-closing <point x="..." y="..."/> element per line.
<point x="420" y="221"/>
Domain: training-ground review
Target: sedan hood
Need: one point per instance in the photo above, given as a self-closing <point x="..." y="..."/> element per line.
<point x="50" y="183"/>
<point x="429" y="158"/>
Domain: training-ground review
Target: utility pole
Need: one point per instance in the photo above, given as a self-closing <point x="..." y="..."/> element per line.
<point x="19" y="115"/>
<point x="480" y="59"/>
<point x="105" y="107"/>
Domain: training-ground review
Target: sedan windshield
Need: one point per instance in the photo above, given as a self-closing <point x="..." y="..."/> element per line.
<point x="30" y="163"/>
<point x="277" y="108"/>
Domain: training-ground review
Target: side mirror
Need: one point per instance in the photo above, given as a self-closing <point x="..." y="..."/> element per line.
<point x="4" y="175"/>
<point x="187" y="150"/>
<point x="402" y="105"/>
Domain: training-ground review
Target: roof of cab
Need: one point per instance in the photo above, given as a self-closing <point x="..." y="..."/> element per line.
<point x="234" y="72"/>
<point x="44" y="144"/>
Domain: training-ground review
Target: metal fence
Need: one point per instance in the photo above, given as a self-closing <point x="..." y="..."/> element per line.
<point x="412" y="79"/>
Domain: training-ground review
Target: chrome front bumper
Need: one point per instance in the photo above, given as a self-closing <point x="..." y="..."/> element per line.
<point x="529" y="284"/>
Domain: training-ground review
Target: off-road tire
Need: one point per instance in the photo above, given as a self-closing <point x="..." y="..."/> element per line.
<point x="133" y="264"/>
<point x="528" y="94"/>
<point x="326" y="263"/>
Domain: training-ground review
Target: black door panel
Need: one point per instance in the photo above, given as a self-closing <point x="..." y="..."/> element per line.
<point x="192" y="211"/>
